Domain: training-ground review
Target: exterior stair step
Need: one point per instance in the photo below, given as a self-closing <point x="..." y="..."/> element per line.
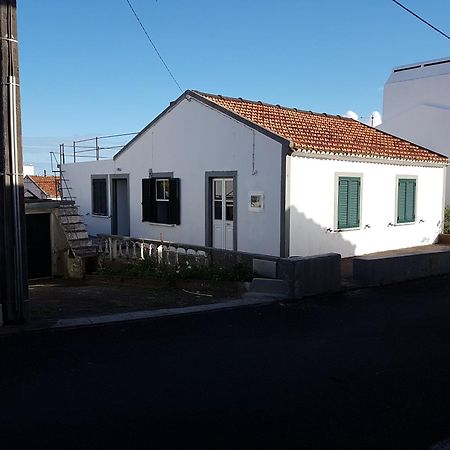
<point x="70" y="220"/>
<point x="83" y="242"/>
<point x="77" y="235"/>
<point x="73" y="227"/>
<point x="85" y="252"/>
<point x="68" y="211"/>
<point x="75" y="230"/>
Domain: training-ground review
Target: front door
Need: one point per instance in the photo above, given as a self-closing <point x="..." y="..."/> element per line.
<point x="120" y="224"/>
<point x="223" y="199"/>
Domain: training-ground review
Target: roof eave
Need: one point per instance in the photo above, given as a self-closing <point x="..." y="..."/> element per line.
<point x="369" y="159"/>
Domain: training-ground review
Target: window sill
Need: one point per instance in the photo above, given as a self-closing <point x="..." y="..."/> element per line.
<point x="401" y="224"/>
<point x="343" y="230"/>
<point x="100" y="216"/>
<point x="169" y="225"/>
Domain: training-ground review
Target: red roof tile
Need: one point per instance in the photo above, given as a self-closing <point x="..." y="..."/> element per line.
<point x="49" y="185"/>
<point x="324" y="133"/>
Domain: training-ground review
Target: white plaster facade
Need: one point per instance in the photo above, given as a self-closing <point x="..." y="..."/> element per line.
<point x="313" y="214"/>
<point x="192" y="138"/>
<point x="416" y="106"/>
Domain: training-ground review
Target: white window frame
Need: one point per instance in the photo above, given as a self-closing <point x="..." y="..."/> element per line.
<point x="165" y="199"/>
<point x="338" y="175"/>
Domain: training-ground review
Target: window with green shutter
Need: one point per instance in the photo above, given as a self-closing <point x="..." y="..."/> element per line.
<point x="349" y="191"/>
<point x="406" y="200"/>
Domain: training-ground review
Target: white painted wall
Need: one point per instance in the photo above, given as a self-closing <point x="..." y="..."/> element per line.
<point x="79" y="179"/>
<point x="28" y="169"/>
<point x="190" y="140"/>
<point x="416" y="106"/>
<point x="314" y="207"/>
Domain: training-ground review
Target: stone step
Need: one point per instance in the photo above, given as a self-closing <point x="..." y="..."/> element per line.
<point x="77" y="243"/>
<point x="85" y="252"/>
<point x="269" y="286"/>
<point x="77" y="235"/>
<point x="67" y="211"/>
<point x="64" y="220"/>
<point x="72" y="227"/>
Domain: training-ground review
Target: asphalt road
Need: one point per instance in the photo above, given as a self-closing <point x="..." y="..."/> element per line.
<point x="367" y="369"/>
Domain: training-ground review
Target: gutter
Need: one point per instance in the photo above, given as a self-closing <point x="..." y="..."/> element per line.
<point x="368" y="159"/>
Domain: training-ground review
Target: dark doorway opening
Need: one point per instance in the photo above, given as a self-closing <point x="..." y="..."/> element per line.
<point x="39" y="245"/>
<point x="120" y="223"/>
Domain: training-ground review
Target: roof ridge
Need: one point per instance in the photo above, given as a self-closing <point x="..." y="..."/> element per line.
<point x="321" y="132"/>
<point x="259" y="102"/>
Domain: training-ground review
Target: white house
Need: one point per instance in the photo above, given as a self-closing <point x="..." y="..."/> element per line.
<point x="244" y="175"/>
<point x="416" y="105"/>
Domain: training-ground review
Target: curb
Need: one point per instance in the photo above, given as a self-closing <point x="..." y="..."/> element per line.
<point x="91" y="321"/>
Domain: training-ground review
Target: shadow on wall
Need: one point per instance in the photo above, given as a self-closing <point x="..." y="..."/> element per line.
<point x="309" y="238"/>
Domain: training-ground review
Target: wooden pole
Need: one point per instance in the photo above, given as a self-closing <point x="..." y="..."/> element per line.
<point x="13" y="263"/>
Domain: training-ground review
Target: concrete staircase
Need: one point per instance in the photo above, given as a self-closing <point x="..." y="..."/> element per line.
<point x="75" y="230"/>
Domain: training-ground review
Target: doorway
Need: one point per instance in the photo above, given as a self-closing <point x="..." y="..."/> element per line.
<point x="223" y="208"/>
<point x="120" y="223"/>
<point x="39" y="249"/>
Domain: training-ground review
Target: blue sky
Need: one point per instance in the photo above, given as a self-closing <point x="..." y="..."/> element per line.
<point x="87" y="68"/>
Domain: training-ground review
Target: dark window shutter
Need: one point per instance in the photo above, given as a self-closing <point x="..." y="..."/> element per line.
<point x="148" y="200"/>
<point x="99" y="205"/>
<point x="349" y="202"/>
<point x="174" y="201"/>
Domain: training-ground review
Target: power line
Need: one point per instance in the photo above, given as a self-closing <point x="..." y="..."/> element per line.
<point x="154" y="46"/>
<point x="421" y="19"/>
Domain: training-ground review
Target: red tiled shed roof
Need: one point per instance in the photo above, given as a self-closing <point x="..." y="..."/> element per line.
<point x="48" y="184"/>
<point x="324" y="133"/>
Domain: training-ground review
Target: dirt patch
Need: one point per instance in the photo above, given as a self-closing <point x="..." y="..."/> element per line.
<point x="98" y="295"/>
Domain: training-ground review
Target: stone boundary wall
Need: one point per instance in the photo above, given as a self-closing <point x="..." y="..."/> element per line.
<point x="393" y="269"/>
<point x="305" y="276"/>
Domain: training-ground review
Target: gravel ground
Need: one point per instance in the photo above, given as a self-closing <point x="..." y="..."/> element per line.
<point x="53" y="299"/>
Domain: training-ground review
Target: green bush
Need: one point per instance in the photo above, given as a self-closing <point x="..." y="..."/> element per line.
<point x="149" y="268"/>
<point x="447" y="220"/>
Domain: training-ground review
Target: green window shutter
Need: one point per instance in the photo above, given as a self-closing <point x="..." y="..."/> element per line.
<point x="348" y="202"/>
<point x="406" y="202"/>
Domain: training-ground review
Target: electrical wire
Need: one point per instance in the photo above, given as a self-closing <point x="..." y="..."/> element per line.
<point x="421" y="19"/>
<point x="154" y="46"/>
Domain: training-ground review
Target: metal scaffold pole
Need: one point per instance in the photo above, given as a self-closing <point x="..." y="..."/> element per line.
<point x="13" y="264"/>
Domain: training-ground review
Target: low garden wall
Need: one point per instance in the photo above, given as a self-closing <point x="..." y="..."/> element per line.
<point x="376" y="270"/>
<point x="304" y="275"/>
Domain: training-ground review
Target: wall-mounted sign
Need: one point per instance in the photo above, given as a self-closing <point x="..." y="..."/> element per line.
<point x="255" y="201"/>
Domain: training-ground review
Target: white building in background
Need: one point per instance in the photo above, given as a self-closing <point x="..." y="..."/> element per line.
<point x="28" y="169"/>
<point x="417" y="106"/>
<point x="244" y="175"/>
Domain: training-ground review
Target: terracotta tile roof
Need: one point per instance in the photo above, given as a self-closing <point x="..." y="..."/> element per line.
<point x="49" y="184"/>
<point x="323" y="133"/>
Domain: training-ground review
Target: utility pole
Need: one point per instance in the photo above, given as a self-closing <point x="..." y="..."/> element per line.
<point x="13" y="264"/>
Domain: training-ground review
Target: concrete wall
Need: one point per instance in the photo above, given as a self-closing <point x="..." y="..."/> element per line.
<point x="393" y="269"/>
<point x="313" y="213"/>
<point x="416" y="106"/>
<point x="189" y="140"/>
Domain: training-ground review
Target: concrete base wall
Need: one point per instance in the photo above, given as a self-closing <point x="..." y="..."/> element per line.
<point x="311" y="275"/>
<point x="392" y="269"/>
